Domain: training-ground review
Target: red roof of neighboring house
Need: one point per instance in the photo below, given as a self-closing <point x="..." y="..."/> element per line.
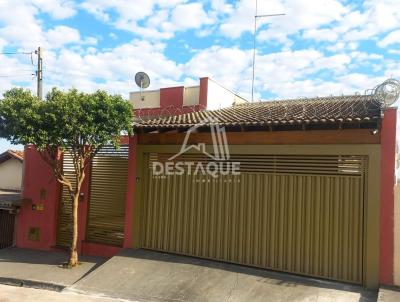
<point x="11" y="154"/>
<point x="17" y="153"/>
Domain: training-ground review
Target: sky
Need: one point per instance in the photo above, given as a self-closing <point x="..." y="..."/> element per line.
<point x="319" y="48"/>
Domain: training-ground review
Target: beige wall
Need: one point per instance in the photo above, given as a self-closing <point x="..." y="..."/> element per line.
<point x="191" y="96"/>
<point x="11" y="174"/>
<point x="397" y="235"/>
<point x="151" y="99"/>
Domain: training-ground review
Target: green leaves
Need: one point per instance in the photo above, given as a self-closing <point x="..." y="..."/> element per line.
<point x="72" y="119"/>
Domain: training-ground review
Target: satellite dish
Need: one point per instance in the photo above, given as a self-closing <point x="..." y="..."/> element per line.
<point x="388" y="91"/>
<point x="142" y="80"/>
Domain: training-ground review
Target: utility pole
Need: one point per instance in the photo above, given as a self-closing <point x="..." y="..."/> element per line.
<point x="39" y="74"/>
<point x="257" y="16"/>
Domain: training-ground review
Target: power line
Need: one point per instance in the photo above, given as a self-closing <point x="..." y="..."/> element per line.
<point x="16" y="53"/>
<point x="16" y="75"/>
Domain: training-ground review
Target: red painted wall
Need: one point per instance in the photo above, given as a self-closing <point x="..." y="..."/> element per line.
<point x="39" y="178"/>
<point x="171" y="97"/>
<point x="388" y="154"/>
<point x="203" y="96"/>
<point x="100" y="250"/>
<point x="39" y="188"/>
<point x="130" y="192"/>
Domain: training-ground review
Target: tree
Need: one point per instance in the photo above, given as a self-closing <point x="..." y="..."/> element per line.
<point x="75" y="122"/>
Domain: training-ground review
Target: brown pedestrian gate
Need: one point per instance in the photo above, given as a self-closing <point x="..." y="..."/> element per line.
<point x="64" y="230"/>
<point x="7" y="223"/>
<point x="302" y="214"/>
<point x="106" y="217"/>
<point x="106" y="210"/>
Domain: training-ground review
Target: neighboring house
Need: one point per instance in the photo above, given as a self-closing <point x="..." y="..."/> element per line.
<point x="11" y="175"/>
<point x="11" y="168"/>
<point x="314" y="197"/>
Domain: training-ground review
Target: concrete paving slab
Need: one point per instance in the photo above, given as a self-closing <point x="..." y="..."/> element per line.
<point x="18" y="294"/>
<point x="151" y="276"/>
<point x="389" y="295"/>
<point x="42" y="268"/>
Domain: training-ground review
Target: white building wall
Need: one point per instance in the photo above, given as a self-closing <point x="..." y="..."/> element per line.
<point x="11" y="174"/>
<point x="220" y="97"/>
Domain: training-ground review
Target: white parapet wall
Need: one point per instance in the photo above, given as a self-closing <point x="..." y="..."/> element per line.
<point x="146" y="99"/>
<point x="220" y="97"/>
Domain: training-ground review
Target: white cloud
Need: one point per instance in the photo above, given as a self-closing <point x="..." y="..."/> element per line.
<point x="57" y="9"/>
<point x="161" y="17"/>
<point x="112" y="69"/>
<point x="190" y="15"/>
<point x="321" y="34"/>
<point x="62" y="35"/>
<point x="241" y="18"/>
<point x="229" y="66"/>
<point x="303" y="15"/>
<point x="391" y="38"/>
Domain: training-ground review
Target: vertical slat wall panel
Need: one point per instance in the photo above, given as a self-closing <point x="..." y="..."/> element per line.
<point x="106" y="214"/>
<point x="304" y="222"/>
<point x="64" y="228"/>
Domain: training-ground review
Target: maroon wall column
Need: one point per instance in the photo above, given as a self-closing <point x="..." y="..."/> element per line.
<point x="130" y="191"/>
<point x="203" y="93"/>
<point x="388" y="153"/>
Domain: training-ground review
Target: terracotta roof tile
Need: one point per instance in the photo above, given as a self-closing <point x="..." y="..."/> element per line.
<point x="320" y="110"/>
<point x="17" y="153"/>
<point x="11" y="154"/>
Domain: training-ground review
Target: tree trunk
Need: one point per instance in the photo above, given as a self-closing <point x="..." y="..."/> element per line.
<point x="73" y="259"/>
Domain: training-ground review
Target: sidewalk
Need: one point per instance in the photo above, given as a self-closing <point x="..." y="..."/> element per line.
<point x="388" y="295"/>
<point x="18" y="294"/>
<point x="23" y="267"/>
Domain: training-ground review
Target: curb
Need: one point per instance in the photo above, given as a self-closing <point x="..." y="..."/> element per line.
<point x="31" y="284"/>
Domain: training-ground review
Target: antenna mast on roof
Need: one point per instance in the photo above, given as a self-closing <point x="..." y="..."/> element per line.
<point x="256" y="16"/>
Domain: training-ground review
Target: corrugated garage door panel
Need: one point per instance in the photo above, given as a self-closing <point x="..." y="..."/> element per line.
<point x="293" y="219"/>
<point x="107" y="196"/>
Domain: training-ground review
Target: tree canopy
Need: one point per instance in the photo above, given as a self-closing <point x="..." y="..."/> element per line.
<point x="65" y="119"/>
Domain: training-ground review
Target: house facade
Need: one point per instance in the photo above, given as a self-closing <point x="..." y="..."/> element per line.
<point x="11" y="164"/>
<point x="11" y="175"/>
<point x="313" y="195"/>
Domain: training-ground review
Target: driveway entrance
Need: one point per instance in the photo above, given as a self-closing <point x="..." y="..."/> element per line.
<point x="142" y="275"/>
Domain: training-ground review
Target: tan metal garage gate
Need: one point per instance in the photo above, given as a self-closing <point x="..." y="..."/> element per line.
<point x="297" y="213"/>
